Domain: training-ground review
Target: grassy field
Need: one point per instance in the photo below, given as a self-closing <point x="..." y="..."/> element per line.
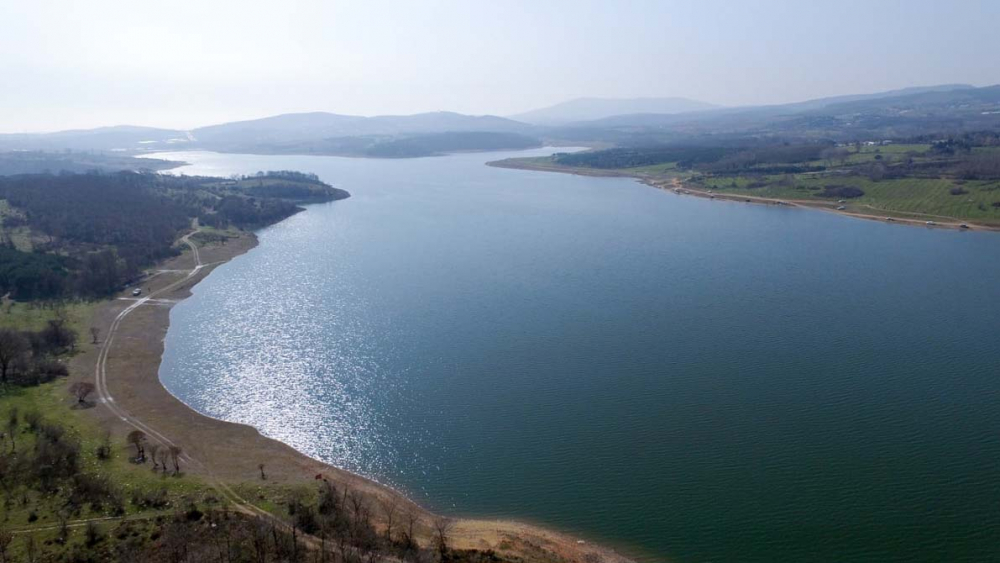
<point x="654" y="170"/>
<point x="19" y="236"/>
<point x="915" y="196"/>
<point x="212" y="235"/>
<point x="943" y="197"/>
<point x="34" y="315"/>
<point x="137" y="481"/>
<point x="149" y="497"/>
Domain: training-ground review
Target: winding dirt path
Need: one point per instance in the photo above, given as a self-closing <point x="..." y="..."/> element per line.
<point x="128" y="360"/>
<point x="106" y="399"/>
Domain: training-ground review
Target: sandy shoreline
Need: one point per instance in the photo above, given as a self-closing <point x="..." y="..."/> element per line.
<point x="225" y="453"/>
<point x="677" y="186"/>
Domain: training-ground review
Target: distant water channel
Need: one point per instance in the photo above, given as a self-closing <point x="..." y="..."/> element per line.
<point x="691" y="379"/>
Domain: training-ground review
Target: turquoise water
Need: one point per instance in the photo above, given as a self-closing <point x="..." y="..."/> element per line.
<point x="691" y="379"/>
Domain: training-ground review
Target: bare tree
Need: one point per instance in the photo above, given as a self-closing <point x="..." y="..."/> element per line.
<point x="95" y="332"/>
<point x="263" y="476"/>
<point x="442" y="528"/>
<point x="138" y="439"/>
<point x="154" y="449"/>
<point x="5" y="539"/>
<point x="64" y="529"/>
<point x="411" y="523"/>
<point x="13" y="349"/>
<point x="30" y="548"/>
<point x="81" y="389"/>
<point x="175" y="457"/>
<point x="359" y="510"/>
<point x="389" y="505"/>
<point x="12" y="422"/>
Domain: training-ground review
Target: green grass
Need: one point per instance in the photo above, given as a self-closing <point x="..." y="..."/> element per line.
<point x="50" y="400"/>
<point x="19" y="236"/>
<point x="34" y="315"/>
<point x="30" y="508"/>
<point x="653" y="170"/>
<point x="904" y="197"/>
<point x="909" y="196"/>
<point x="211" y="235"/>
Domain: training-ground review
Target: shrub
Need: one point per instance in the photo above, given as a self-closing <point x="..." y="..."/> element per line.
<point x="841" y="192"/>
<point x="150" y="499"/>
<point x="93" y="534"/>
<point x="34" y="418"/>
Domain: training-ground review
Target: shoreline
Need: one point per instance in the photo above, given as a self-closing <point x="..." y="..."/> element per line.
<point x="224" y="453"/>
<point x="677" y="186"/>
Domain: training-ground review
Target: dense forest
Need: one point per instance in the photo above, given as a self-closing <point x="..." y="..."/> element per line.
<point x="91" y="233"/>
<point x="969" y="156"/>
<point x="403" y="146"/>
<point x="772" y="158"/>
<point x="922" y="178"/>
<point x="75" y="162"/>
<point x="440" y="143"/>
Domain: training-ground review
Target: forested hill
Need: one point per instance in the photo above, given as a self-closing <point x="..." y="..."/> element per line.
<point x="87" y="235"/>
<point x="43" y="162"/>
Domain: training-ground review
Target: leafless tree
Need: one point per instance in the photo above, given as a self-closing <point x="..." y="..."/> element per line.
<point x="389" y="505"/>
<point x="5" y="539"/>
<point x="81" y="389"/>
<point x="412" y="517"/>
<point x="13" y="349"/>
<point x="95" y="332"/>
<point x="258" y="539"/>
<point x="154" y="449"/>
<point x="359" y="510"/>
<point x="12" y="422"/>
<point x="175" y="457"/>
<point x="64" y="529"/>
<point x="442" y="528"/>
<point x="30" y="548"/>
<point x="138" y="439"/>
<point x="263" y="476"/>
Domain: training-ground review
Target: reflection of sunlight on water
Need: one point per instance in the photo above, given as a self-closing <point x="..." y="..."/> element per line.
<point x="295" y="360"/>
<point x="536" y="345"/>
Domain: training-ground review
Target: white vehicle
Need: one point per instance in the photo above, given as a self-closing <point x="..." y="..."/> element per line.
<point x="136" y="292"/>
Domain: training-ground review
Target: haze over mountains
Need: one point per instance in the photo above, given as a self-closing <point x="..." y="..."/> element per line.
<point x="941" y="109"/>
<point x="587" y="109"/>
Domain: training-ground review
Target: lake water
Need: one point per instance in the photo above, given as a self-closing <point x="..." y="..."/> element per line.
<point x="692" y="379"/>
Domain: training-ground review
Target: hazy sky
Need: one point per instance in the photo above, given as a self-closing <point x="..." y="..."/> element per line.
<point x="186" y="63"/>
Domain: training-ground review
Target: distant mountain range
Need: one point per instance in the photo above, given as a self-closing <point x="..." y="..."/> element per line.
<point x="588" y="109"/>
<point x="938" y="109"/>
<point x="298" y="126"/>
<point x="308" y="133"/>
<point x="653" y="117"/>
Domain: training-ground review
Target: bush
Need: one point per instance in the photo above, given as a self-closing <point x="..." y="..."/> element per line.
<point x="841" y="192"/>
<point x="150" y="499"/>
<point x="193" y="514"/>
<point x="33" y="419"/>
<point x="48" y="370"/>
<point x="958" y="191"/>
<point x="93" y="534"/>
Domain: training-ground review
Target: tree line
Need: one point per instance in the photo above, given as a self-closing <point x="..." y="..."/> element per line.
<point x="93" y="233"/>
<point x="30" y="357"/>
